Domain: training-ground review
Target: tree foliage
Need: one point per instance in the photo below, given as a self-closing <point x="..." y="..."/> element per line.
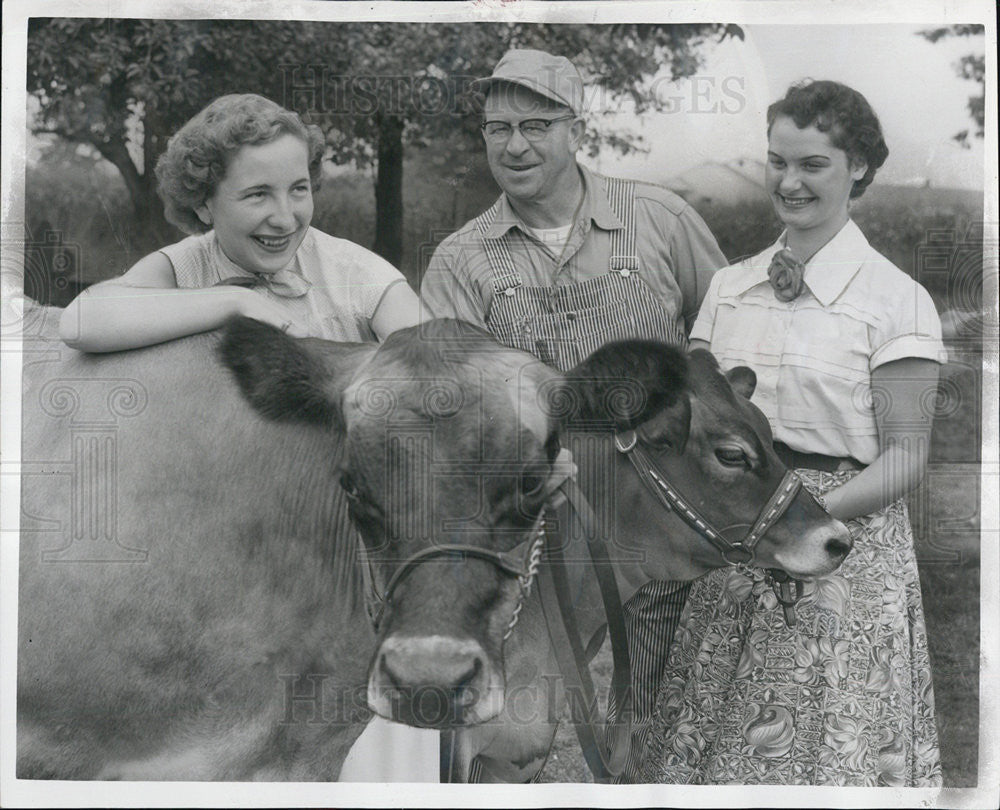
<point x="377" y="89"/>
<point x="971" y="67"/>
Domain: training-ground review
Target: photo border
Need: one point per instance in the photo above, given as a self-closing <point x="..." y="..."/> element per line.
<point x="14" y="792"/>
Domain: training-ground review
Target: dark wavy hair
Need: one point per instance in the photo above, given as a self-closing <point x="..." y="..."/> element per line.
<point x="842" y="112"/>
<point x="198" y="154"/>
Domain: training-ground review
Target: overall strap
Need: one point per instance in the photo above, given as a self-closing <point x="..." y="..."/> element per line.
<point x="621" y="198"/>
<point x="505" y="275"/>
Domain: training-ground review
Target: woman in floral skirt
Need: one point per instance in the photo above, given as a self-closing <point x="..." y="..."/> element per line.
<point x="846" y="349"/>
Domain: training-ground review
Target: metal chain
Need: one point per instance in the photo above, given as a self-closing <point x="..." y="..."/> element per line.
<point x="528" y="577"/>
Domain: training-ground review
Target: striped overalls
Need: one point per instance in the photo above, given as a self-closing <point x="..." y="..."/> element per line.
<point x="562" y="325"/>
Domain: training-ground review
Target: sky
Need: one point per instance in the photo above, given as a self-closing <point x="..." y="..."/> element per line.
<point x="719" y="114"/>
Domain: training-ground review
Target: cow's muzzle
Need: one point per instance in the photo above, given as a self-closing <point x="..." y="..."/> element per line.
<point x="434" y="682"/>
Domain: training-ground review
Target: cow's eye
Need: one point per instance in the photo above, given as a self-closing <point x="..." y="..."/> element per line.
<point x="347" y="483"/>
<point x="732" y="456"/>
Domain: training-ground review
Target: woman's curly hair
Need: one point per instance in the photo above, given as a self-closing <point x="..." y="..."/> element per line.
<point x="199" y="153"/>
<point x="842" y="112"/>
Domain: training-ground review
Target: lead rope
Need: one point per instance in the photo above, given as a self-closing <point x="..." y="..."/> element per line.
<point x="605" y="751"/>
<point x="787" y="590"/>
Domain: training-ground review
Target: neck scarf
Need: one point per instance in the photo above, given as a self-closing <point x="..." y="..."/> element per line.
<point x="786" y="271"/>
<point x="785" y="274"/>
<point x="286" y="283"/>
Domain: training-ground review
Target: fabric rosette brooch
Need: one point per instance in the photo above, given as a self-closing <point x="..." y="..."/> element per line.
<point x="785" y="274"/>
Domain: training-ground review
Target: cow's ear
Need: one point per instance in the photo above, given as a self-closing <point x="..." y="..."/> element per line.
<point x="625" y="382"/>
<point x="743" y="380"/>
<point x="289" y="379"/>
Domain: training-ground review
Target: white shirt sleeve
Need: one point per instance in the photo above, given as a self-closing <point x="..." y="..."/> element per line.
<point x="704" y="323"/>
<point x="912" y="328"/>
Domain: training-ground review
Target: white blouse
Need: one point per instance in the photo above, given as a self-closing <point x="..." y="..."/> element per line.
<point x="346" y="281"/>
<point x="814" y="356"/>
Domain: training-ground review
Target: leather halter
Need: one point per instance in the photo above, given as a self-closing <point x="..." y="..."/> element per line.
<point x="521" y="562"/>
<point x="739" y="553"/>
<point x="524" y="561"/>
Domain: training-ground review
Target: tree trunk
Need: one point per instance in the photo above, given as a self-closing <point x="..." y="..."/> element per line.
<point x="148" y="228"/>
<point x="389" y="191"/>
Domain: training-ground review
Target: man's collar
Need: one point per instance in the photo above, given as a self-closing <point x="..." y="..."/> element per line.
<point x="827" y="273"/>
<point x="595" y="207"/>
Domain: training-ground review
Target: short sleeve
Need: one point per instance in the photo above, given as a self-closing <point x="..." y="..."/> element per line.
<point x="696" y="257"/>
<point x="378" y="277"/>
<point x="191" y="261"/>
<point x="704" y="323"/>
<point x="912" y="328"/>
<point x="447" y="289"/>
<point x="349" y="280"/>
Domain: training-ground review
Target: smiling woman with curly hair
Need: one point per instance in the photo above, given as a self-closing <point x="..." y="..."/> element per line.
<point x="240" y="177"/>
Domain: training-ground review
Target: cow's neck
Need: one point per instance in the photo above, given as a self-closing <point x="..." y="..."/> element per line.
<point x="594" y="455"/>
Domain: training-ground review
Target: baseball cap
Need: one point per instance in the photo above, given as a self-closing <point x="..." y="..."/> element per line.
<point x="554" y="77"/>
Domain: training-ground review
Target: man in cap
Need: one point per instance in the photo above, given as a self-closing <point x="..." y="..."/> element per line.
<point x="566" y="261"/>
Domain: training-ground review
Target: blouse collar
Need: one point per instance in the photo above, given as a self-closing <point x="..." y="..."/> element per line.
<point x="827" y="273"/>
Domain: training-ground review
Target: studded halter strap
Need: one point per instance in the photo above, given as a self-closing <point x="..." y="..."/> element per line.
<point x="739" y="553"/>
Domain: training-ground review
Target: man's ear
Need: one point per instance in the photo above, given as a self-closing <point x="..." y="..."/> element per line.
<point x="743" y="380"/>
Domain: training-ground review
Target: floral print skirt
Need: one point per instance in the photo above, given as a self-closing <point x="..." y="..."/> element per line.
<point x="843" y="698"/>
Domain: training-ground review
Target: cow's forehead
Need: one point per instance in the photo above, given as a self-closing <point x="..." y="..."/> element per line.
<point x="508" y="388"/>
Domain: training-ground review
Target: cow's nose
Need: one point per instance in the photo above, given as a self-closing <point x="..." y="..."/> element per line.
<point x="432" y="681"/>
<point x="840" y="544"/>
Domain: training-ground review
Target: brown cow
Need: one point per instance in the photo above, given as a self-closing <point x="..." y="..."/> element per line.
<point x="441" y="660"/>
<point x="190" y="600"/>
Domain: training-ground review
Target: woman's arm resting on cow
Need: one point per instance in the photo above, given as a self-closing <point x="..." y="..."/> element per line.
<point x="902" y="390"/>
<point x="398" y="309"/>
<point x="145" y="306"/>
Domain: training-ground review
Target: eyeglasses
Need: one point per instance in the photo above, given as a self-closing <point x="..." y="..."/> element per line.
<point x="533" y="129"/>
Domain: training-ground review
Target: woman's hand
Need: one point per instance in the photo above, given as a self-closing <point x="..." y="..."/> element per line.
<point x="254" y="305"/>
